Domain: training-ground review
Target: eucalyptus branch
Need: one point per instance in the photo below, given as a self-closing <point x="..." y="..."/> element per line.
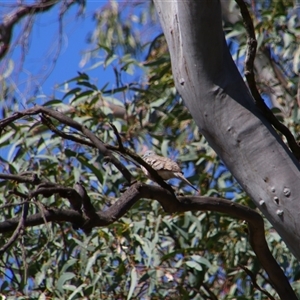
<point x="255" y="284"/>
<point x="87" y="205"/>
<point x="23" y="177"/>
<point x="120" y="144"/>
<point x="48" y="122"/>
<point x="250" y="76"/>
<point x="18" y="229"/>
<point x="73" y="124"/>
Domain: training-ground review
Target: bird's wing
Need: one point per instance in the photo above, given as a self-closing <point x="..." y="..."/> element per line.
<point x="163" y="163"/>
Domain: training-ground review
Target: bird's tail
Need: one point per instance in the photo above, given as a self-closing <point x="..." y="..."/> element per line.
<point x="179" y="175"/>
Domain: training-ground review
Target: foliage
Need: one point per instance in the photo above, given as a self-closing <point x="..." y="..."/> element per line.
<point x="148" y="254"/>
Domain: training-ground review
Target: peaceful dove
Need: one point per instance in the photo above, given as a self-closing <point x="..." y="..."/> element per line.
<point x="165" y="167"/>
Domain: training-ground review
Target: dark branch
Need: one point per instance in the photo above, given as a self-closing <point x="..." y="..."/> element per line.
<point x="87" y="205"/>
<point x="255" y="284"/>
<point x="70" y="122"/>
<point x="47" y="122"/>
<point x="250" y="76"/>
<point x="120" y="144"/>
<point x="18" y="229"/>
<point x="15" y="16"/>
<point x="26" y="178"/>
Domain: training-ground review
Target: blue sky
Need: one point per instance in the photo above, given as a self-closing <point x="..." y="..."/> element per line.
<point x="39" y="73"/>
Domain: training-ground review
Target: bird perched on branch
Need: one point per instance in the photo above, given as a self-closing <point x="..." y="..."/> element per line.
<point x="165" y="167"/>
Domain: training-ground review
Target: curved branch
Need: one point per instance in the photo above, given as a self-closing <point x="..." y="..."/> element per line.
<point x="70" y="122"/>
<point x="27" y="177"/>
<point x="18" y="229"/>
<point x="255" y="284"/>
<point x="171" y="204"/>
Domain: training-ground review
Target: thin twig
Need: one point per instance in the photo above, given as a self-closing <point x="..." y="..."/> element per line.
<point x="120" y="144"/>
<point x="70" y="122"/>
<point x="250" y="76"/>
<point x="18" y="229"/>
<point x="33" y="179"/>
<point x="13" y="204"/>
<point x="255" y="284"/>
<point x="47" y="122"/>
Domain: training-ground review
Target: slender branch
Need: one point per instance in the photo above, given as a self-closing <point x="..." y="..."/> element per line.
<point x="120" y="144"/>
<point x="25" y="178"/>
<point x="64" y="192"/>
<point x="47" y="122"/>
<point x="18" y="229"/>
<point x="208" y="291"/>
<point x="87" y="205"/>
<point x="255" y="284"/>
<point x="13" y="204"/>
<point x="250" y="76"/>
<point x="69" y="122"/>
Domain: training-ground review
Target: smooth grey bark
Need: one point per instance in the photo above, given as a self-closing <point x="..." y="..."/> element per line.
<point x="222" y="107"/>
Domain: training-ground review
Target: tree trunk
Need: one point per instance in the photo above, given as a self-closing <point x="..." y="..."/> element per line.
<point x="222" y="107"/>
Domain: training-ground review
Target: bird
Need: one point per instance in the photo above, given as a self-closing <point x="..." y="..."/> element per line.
<point x="165" y="167"/>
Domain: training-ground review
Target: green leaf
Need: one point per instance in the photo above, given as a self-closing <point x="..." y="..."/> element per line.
<point x="74" y="91"/>
<point x="84" y="161"/>
<point x="201" y="260"/>
<point x="158" y="102"/>
<point x="91" y="262"/>
<point x="63" y="279"/>
<point x="133" y="282"/>
<point x="6" y="137"/>
<point x="77" y="292"/>
<point x="88" y="84"/>
<point x="194" y="265"/>
<point x="53" y="102"/>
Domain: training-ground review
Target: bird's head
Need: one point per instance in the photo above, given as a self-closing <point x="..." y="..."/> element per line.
<point x="148" y="153"/>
